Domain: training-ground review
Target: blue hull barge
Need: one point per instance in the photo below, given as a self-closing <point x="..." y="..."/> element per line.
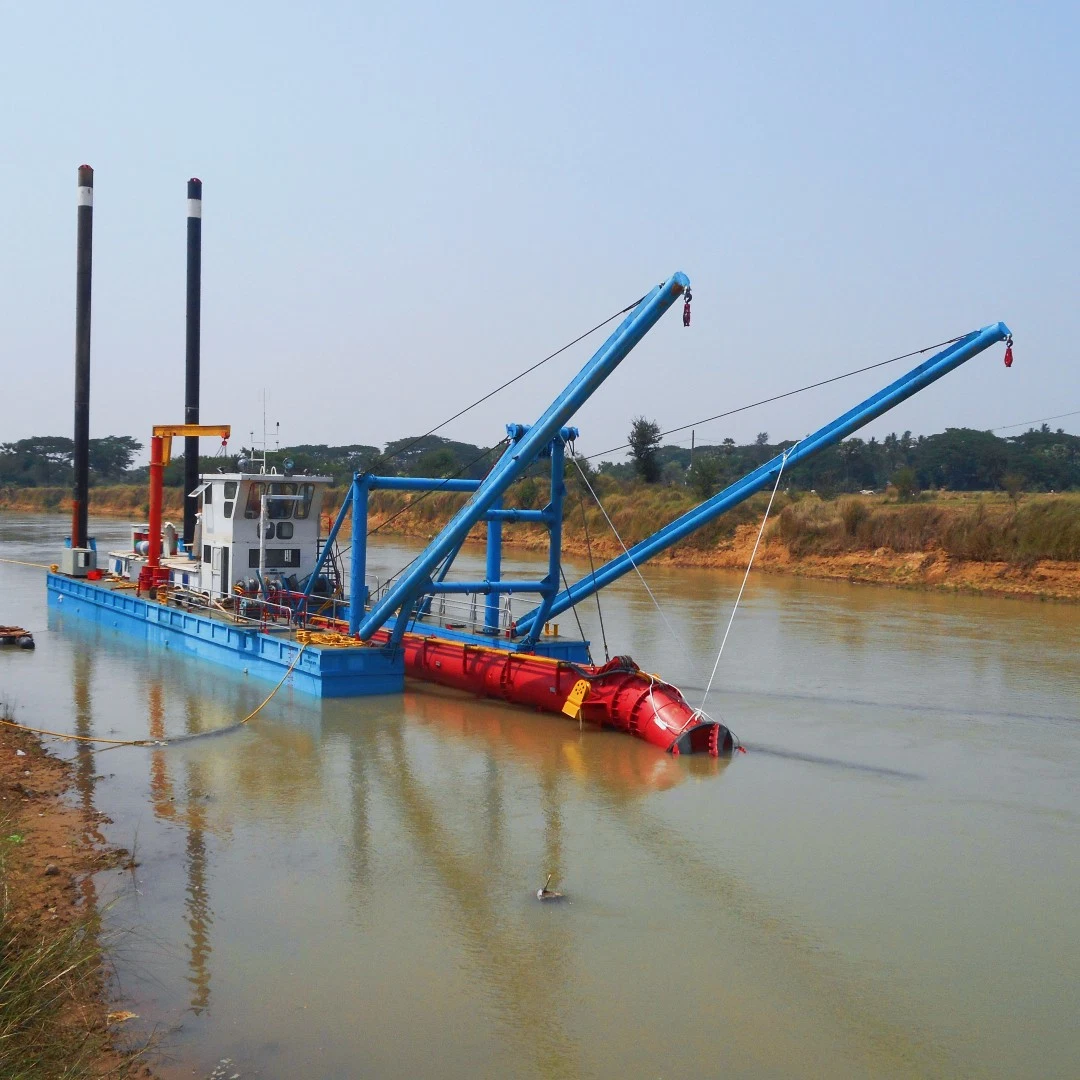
<point x="250" y="584"/>
<point x="264" y="653"/>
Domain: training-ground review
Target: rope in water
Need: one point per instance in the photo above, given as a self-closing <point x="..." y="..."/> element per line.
<point x="162" y="742"/>
<point x="20" y="562"/>
<point x="384" y="457"/>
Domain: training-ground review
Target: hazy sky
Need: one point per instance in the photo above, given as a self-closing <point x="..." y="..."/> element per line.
<point x="405" y="204"/>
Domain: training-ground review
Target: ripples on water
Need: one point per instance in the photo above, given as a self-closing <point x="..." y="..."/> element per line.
<point x="883" y="886"/>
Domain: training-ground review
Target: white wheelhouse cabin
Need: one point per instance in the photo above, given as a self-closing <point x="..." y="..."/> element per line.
<point x="257" y="531"/>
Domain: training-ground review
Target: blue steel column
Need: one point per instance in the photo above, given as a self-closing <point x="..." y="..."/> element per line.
<point x="915" y="380"/>
<point x="554" y="513"/>
<point x="358" y="569"/>
<point x="493" y="570"/>
<point x="632" y="329"/>
<point x="328" y="546"/>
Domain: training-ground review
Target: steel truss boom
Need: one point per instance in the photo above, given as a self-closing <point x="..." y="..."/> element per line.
<point x="915" y="380"/>
<point x="418" y="579"/>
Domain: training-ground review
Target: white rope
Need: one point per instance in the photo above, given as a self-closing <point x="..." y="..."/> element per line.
<point x="671" y="629"/>
<point x="746" y="576"/>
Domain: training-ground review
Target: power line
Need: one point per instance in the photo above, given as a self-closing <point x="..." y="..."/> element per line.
<point x="1041" y="420"/>
<point x="431" y="491"/>
<point x="498" y="389"/>
<point x="465" y="468"/>
<point x="787" y="394"/>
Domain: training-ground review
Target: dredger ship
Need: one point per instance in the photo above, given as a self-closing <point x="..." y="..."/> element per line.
<point x="249" y="582"/>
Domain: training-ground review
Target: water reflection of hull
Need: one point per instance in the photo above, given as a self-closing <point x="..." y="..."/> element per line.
<point x="616" y="695"/>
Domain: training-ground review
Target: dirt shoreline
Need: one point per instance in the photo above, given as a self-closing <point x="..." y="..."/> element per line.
<point x="53" y="849"/>
<point x="933" y="570"/>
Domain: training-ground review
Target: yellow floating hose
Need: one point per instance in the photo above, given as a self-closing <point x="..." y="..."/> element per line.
<point x="161" y="742"/>
<point x="39" y="565"/>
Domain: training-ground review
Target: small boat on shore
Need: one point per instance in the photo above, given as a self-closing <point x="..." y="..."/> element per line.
<point x="17" y="636"/>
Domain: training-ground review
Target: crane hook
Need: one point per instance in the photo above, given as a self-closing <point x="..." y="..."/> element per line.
<point x="686" y="307"/>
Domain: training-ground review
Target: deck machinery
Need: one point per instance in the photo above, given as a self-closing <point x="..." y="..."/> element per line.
<point x="253" y="588"/>
<point x="489" y="650"/>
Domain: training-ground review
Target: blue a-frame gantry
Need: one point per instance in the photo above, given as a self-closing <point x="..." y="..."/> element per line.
<point x="426" y="577"/>
<point x="492" y="585"/>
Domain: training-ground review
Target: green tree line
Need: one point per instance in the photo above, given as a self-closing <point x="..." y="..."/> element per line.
<point x="958" y="459"/>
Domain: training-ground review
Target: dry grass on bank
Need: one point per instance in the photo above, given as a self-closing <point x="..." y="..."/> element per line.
<point x="45" y="980"/>
<point x="119" y="499"/>
<point x="54" y="970"/>
<point x="1038" y="527"/>
<point x="982" y="527"/>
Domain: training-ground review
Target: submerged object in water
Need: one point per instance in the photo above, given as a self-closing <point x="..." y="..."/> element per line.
<point x="548" y="894"/>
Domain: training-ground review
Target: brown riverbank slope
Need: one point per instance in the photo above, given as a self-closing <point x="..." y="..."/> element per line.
<point x="971" y="542"/>
<point x="56" y="1019"/>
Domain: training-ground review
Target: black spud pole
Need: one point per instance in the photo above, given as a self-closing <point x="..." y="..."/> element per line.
<point x="83" y="268"/>
<point x="191" y="379"/>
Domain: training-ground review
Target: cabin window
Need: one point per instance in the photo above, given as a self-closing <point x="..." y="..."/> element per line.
<point x="303" y="504"/>
<point x="230" y="497"/>
<point x="228" y="508"/>
<point x="284" y="530"/>
<point x="208" y="495"/>
<point x="276" y="558"/>
<point x="277" y="509"/>
<point x="206" y="553"/>
<point x="251" y="508"/>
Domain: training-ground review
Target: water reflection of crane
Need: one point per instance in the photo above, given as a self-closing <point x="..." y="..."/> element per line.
<point x="85" y="762"/>
<point x="192" y="817"/>
<point x="616" y="773"/>
<point x="360" y="818"/>
<point x="530" y="977"/>
<point x="200" y="917"/>
<point x="622" y="771"/>
<point x="286" y="762"/>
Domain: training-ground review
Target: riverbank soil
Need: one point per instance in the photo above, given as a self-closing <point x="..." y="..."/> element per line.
<point x="55" y="1017"/>
<point x="972" y="542"/>
<point x="938" y="570"/>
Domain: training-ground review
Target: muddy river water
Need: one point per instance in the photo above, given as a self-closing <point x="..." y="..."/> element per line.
<point x="886" y="885"/>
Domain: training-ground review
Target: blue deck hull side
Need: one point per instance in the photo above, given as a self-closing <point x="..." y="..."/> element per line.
<point x="320" y="672"/>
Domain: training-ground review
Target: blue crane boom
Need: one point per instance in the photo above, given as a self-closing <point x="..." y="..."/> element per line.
<point x="763" y="477"/>
<point x="418" y="579"/>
